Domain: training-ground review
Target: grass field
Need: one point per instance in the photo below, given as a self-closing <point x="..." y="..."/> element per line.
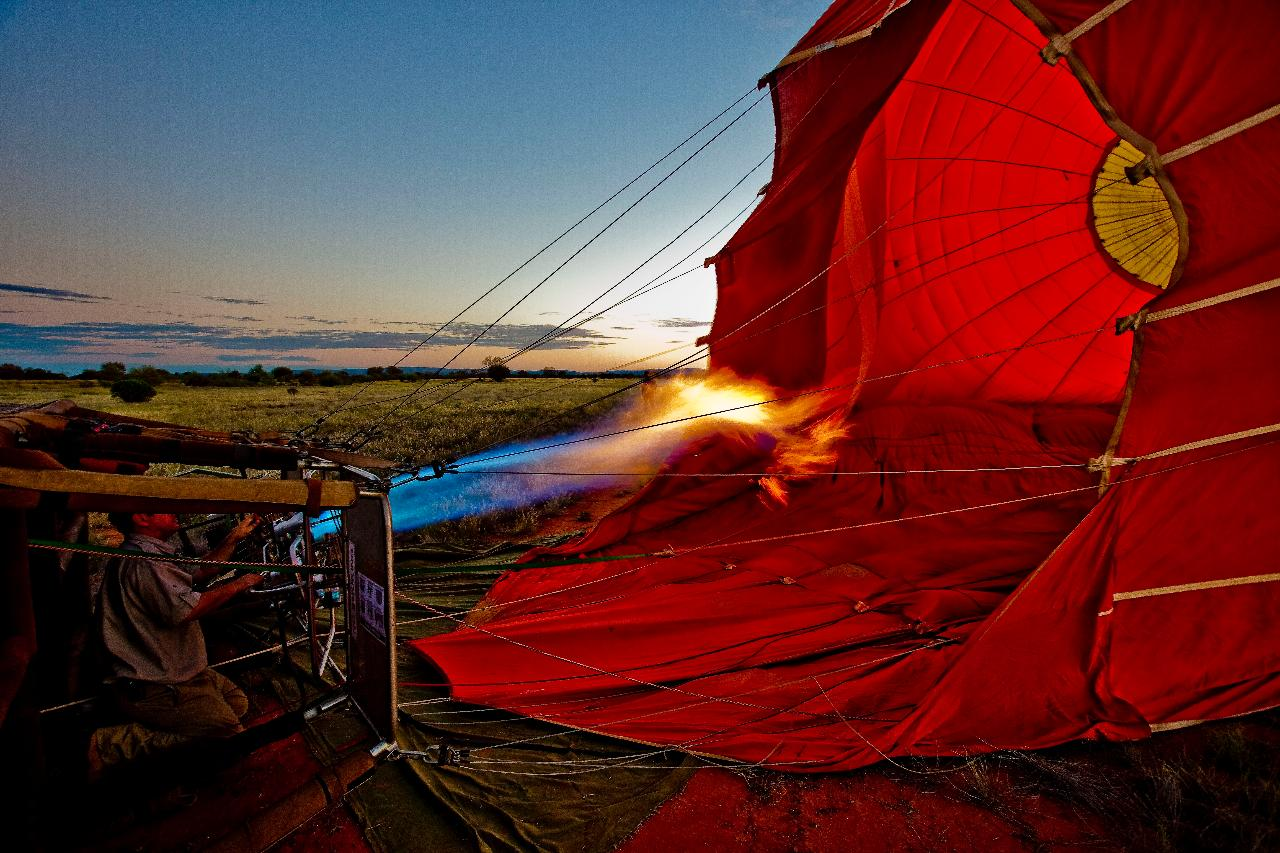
<point x="443" y="419"/>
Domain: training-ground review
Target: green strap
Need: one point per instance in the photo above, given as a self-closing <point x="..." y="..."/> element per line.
<point x="483" y="567"/>
<point x="85" y="548"/>
<point x="285" y="568"/>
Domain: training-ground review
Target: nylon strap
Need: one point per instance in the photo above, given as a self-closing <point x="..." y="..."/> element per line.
<point x="1225" y="133"/>
<point x="801" y="55"/>
<point x="1104" y="462"/>
<point x="1152" y="162"/>
<point x="1195" y="587"/>
<point x="1141" y="318"/>
<point x="1061" y="44"/>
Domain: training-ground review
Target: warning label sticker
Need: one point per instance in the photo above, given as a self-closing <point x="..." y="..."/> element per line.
<point x="372" y="605"/>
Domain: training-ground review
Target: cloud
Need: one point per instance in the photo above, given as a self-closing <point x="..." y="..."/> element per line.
<point x="97" y="337"/>
<point x="237" y="319"/>
<point x="263" y="359"/>
<point x="51" y="293"/>
<point x="309" y="319"/>
<point x="231" y="300"/>
<point x="680" y="323"/>
<point x="623" y="328"/>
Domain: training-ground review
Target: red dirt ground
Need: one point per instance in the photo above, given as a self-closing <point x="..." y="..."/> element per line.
<point x="865" y="812"/>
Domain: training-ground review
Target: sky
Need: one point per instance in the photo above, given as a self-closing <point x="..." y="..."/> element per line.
<point x="213" y="185"/>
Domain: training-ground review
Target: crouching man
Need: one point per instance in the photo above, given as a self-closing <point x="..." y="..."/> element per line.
<point x="158" y="670"/>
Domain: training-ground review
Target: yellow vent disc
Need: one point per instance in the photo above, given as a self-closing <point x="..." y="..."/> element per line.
<point x="1134" y="221"/>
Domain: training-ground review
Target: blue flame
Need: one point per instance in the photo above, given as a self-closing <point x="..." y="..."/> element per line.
<point x="505" y="478"/>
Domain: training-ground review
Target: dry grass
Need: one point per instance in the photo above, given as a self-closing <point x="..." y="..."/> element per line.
<point x="474" y="415"/>
<point x="1210" y="788"/>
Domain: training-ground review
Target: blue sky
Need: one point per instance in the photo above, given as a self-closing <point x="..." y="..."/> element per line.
<point x="318" y="183"/>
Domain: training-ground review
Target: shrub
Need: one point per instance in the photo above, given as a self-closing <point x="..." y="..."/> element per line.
<point x="132" y="390"/>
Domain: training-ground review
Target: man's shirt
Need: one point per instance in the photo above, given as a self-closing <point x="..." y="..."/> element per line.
<point x="142" y="604"/>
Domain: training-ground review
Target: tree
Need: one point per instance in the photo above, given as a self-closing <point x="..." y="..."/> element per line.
<point x="153" y="376"/>
<point x="111" y="371"/>
<point x="132" y="390"/>
<point x="258" y="375"/>
<point x="10" y="371"/>
<point x="394" y="372"/>
<point x="496" y="368"/>
<point x="375" y="373"/>
<point x="282" y="373"/>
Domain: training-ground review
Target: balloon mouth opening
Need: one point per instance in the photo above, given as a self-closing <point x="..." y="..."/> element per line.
<point x="1134" y="222"/>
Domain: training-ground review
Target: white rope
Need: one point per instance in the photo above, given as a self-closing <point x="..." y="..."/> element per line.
<point x="1142" y="318"/>
<point x="1104" y="462"/>
<point x="799" y="55"/>
<point x="1061" y="44"/>
<point x="1152" y="162"/>
<point x="1195" y="587"/>
<point x="1218" y="136"/>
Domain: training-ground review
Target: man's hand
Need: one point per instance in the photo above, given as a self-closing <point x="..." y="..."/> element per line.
<point x="212" y="599"/>
<point x="224" y="549"/>
<point x="246" y="526"/>
<point x="250" y="580"/>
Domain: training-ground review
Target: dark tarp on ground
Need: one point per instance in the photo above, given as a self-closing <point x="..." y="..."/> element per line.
<point x="412" y="804"/>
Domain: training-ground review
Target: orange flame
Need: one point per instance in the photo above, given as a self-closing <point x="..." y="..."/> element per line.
<point x="806" y="442"/>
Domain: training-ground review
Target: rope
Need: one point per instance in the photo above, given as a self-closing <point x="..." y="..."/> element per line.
<point x="68" y="547"/>
<point x="1216" y="137"/>
<point x="1061" y="44"/>
<point x="808" y="53"/>
<point x="1150" y="164"/>
<point x="1105" y="462"/>
<point x="1195" y="587"/>
<point x="587" y="244"/>
<point x="560" y="329"/>
<point x="1141" y="318"/>
<point x="316" y="424"/>
<point x="817" y="276"/>
<point x="643" y="290"/>
<point x="784" y="398"/>
<point x="696" y="356"/>
<point x="763" y="762"/>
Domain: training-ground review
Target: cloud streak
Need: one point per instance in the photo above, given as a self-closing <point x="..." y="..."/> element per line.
<point x="69" y="339"/>
<point x="231" y="300"/>
<point x="51" y="293"/>
<point x="681" y="323"/>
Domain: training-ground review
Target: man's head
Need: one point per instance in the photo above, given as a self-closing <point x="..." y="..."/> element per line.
<point x="157" y="525"/>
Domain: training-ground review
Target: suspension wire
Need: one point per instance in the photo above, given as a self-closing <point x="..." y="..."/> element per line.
<point x="312" y="427"/>
<point x="584" y="246"/>
<point x="706" y="699"/>
<point x="366" y="437"/>
<point x="698" y="354"/>
<point x="887" y="376"/>
<point x="820" y="687"/>
<point x="702" y="738"/>
<point x="643" y="290"/>
<point x="780" y="399"/>
<point x="560" y="329"/>
<point x="703" y="351"/>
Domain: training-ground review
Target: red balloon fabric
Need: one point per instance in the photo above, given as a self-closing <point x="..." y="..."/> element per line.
<point x="1031" y="528"/>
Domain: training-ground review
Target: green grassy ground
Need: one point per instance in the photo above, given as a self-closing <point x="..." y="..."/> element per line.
<point x="442" y="420"/>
